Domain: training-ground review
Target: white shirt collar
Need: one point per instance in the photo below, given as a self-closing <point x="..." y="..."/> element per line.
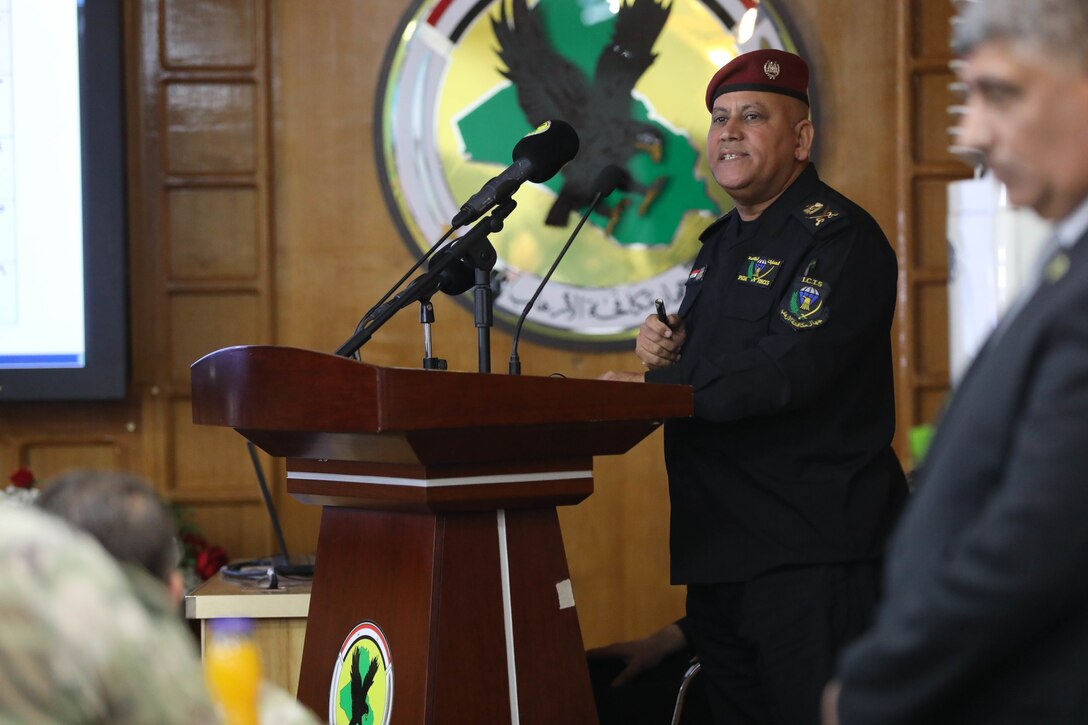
<point x="1070" y="229"/>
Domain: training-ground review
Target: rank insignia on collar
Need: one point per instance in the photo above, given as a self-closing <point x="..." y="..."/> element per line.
<point x="759" y="271"/>
<point x="806" y="304"/>
<point x="696" y="275"/>
<point x="1057" y="267"/>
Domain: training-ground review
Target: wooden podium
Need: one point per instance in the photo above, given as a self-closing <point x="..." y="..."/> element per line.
<point x="438" y="524"/>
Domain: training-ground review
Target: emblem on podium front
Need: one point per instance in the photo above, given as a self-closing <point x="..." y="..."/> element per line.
<point x="362" y="680"/>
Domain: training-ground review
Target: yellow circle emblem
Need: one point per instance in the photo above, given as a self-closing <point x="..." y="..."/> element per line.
<point x="361" y="692"/>
<point x="465" y="80"/>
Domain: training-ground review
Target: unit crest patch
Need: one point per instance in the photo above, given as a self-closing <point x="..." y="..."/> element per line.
<point x="805" y="305"/>
<point x="758" y="270"/>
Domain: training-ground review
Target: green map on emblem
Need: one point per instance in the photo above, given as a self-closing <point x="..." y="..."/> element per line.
<point x="345" y="705"/>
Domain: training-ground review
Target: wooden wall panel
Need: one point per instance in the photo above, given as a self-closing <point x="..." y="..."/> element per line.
<point x="210" y="128"/>
<point x="923" y="169"/>
<point x="212" y="233"/>
<point x="236" y="525"/>
<point x="930" y="352"/>
<point x="211" y="33"/>
<point x="201" y="241"/>
<point x="929" y="248"/>
<point x="51" y="438"/>
<point x="931" y="121"/>
<point x="56" y="455"/>
<point x="206" y="322"/>
<point x="210" y="464"/>
<point x="930" y="401"/>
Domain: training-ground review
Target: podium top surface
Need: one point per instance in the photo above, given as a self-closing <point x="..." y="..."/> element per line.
<point x="281" y="388"/>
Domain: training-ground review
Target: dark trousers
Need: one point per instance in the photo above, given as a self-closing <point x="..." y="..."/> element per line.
<point x="650" y="698"/>
<point x="768" y="646"/>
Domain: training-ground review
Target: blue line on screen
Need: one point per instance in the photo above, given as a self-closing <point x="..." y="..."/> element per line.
<point x="74" y="360"/>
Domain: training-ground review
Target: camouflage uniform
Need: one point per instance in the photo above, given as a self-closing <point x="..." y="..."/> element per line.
<point x="77" y="643"/>
<point x="85" y="641"/>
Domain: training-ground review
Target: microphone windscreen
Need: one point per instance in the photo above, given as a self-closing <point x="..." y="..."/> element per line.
<point x="547" y="149"/>
<point x="609" y="179"/>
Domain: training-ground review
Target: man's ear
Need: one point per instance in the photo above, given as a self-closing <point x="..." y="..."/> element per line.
<point x="175" y="584"/>
<point x="805" y="133"/>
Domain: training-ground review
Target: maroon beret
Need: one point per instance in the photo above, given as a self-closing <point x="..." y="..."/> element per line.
<point x="772" y="71"/>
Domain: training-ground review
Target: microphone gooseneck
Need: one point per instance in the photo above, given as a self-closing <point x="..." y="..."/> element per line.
<point x="609" y="179"/>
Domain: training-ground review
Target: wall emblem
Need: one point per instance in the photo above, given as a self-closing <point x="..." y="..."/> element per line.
<point x="465" y="80"/>
<point x="362" y="680"/>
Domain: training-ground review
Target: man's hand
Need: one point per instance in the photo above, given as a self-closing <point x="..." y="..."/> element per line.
<point x="658" y="344"/>
<point x="640" y="655"/>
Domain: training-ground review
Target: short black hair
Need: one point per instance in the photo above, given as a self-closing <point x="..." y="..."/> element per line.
<point x="121" y="511"/>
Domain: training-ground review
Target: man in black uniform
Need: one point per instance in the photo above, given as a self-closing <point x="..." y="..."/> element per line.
<point x="783" y="485"/>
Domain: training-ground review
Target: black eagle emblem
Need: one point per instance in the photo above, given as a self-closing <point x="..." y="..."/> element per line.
<point x="360" y="686"/>
<point x="550" y="86"/>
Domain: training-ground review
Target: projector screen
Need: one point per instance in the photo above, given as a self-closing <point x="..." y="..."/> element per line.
<point x="62" y="280"/>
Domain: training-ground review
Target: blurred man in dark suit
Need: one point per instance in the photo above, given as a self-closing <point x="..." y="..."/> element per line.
<point x="985" y="615"/>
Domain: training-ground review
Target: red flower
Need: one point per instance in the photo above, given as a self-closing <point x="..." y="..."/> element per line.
<point x="209" y="561"/>
<point x="22" y="478"/>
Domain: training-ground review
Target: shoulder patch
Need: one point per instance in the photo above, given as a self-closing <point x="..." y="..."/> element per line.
<point x="805" y="306"/>
<point x="816" y="215"/>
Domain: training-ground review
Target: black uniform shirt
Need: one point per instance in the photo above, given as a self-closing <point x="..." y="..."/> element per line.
<point x="788" y="459"/>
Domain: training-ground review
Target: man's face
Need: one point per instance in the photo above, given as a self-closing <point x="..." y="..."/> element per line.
<point x="1027" y="111"/>
<point x="757" y="145"/>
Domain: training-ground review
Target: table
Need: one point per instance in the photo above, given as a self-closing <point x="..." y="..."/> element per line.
<point x="279" y="619"/>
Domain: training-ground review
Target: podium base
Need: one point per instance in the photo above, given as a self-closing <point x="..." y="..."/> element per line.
<point x="475" y="608"/>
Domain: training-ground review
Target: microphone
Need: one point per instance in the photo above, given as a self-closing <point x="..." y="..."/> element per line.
<point x="609" y="179"/>
<point x="537" y="157"/>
